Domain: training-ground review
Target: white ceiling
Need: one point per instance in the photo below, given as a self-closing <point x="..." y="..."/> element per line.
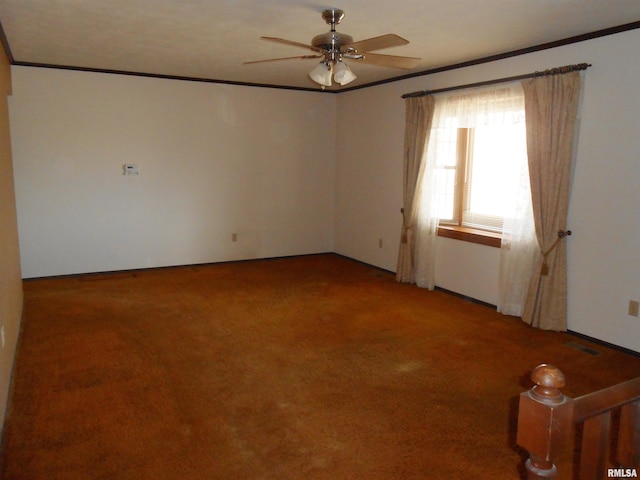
<point x="210" y="39"/>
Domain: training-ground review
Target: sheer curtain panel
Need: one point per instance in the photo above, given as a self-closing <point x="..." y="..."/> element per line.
<point x="518" y="247"/>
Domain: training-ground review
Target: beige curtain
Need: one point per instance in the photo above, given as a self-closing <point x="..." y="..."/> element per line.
<point x="418" y="118"/>
<point x="551" y="106"/>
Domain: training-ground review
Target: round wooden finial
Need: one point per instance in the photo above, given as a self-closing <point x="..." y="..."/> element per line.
<point x="549" y="380"/>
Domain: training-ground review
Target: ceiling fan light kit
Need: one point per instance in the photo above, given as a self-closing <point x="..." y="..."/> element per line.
<point x="340" y="71"/>
<point x="334" y="47"/>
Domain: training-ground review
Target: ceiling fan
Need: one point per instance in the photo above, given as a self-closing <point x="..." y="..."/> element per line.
<point x="334" y="47"/>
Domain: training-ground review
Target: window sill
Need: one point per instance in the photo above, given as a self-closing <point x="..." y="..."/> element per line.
<point x="472" y="235"/>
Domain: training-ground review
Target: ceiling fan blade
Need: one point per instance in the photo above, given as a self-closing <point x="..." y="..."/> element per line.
<point x="377" y="43"/>
<point x="303" y="57"/>
<point x="295" y="44"/>
<point x="389" y="61"/>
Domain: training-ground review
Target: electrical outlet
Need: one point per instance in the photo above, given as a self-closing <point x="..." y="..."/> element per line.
<point x="379" y="243"/>
<point x="234" y="237"/>
<point x="634" y="308"/>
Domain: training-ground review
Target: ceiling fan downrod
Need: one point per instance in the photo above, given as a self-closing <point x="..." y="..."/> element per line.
<point x="333" y="17"/>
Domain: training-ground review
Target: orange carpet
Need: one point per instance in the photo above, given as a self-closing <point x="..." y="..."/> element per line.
<point x="313" y="367"/>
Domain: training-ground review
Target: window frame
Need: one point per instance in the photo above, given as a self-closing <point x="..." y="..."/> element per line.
<point x="454" y="227"/>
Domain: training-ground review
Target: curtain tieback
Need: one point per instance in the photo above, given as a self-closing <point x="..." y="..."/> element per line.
<point x="545" y="267"/>
<point x="405" y="227"/>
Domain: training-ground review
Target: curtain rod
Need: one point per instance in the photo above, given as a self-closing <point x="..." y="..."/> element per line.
<point x="551" y="71"/>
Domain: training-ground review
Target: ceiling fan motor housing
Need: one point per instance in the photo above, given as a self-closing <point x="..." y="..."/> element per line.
<point x="332" y="40"/>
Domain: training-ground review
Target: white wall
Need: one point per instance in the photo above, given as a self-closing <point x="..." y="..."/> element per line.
<point x="604" y="251"/>
<point x="214" y="160"/>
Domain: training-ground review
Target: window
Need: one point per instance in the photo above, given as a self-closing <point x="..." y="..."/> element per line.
<point x="475" y="180"/>
<point x="477" y="148"/>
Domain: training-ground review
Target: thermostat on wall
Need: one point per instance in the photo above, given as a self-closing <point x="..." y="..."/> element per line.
<point x="130" y="169"/>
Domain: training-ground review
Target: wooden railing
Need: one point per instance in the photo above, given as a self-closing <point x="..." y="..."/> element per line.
<point x="546" y="421"/>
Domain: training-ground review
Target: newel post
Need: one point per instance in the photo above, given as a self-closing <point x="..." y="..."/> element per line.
<point x="544" y="422"/>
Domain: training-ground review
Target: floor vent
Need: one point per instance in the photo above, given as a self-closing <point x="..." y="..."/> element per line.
<point x="582" y="348"/>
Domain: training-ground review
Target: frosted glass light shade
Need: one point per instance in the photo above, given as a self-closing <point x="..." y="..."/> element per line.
<point x="321" y="74"/>
<point x="342" y="74"/>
